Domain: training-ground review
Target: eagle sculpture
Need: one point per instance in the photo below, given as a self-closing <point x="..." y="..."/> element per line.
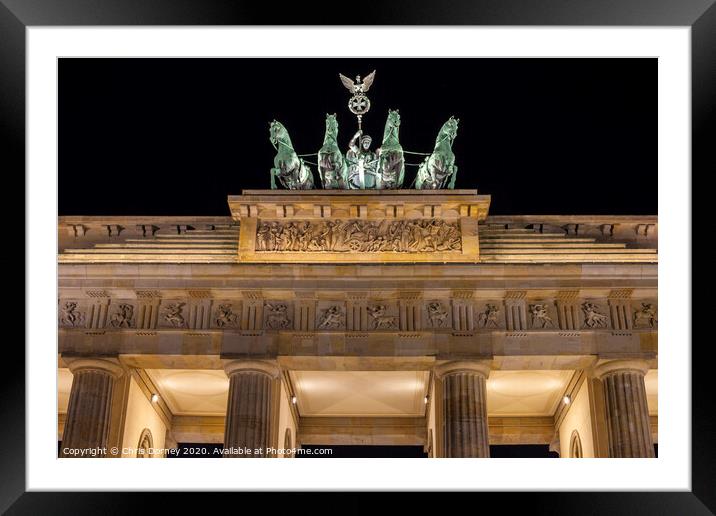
<point x="359" y="86"/>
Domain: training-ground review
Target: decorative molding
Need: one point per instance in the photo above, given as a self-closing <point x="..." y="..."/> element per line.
<point x="252" y="294"/>
<point x="97" y="293"/>
<point x="621" y="293"/>
<point x="568" y="295"/>
<point x="199" y="294"/>
<point x="147" y="294"/>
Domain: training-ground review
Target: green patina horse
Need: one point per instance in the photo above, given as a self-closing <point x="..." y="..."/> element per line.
<point x="439" y="167"/>
<point x="290" y="170"/>
<point x="332" y="167"/>
<point x="391" y="164"/>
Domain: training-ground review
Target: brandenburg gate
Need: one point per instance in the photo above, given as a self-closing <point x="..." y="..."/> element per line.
<point x="362" y="317"/>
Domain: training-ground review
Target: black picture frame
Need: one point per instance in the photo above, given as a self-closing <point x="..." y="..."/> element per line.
<point x="17" y="15"/>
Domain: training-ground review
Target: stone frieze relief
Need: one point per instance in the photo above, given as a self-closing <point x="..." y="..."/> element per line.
<point x="359" y="236"/>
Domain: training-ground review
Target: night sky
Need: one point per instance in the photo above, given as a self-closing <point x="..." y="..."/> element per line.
<point x="176" y="136"/>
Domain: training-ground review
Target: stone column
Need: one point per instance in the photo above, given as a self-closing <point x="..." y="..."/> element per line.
<point x="627" y="411"/>
<point x="464" y="409"/>
<point x="249" y="410"/>
<point x="88" y="414"/>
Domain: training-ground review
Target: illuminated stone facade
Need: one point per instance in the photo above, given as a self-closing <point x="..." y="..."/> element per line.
<point x="359" y="317"/>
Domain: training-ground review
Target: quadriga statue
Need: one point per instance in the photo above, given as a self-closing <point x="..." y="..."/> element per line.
<point x="439" y="170"/>
<point x="332" y="166"/>
<point x="290" y="170"/>
<point x="391" y="164"/>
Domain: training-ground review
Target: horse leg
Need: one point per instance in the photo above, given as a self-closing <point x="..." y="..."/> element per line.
<point x="453" y="173"/>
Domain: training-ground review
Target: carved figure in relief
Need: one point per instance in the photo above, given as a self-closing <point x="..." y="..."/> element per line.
<point x="437" y="314"/>
<point x="71" y="316"/>
<point x="225" y="316"/>
<point x="364" y="236"/>
<point x="645" y="317"/>
<point x="277" y="316"/>
<point x="489" y="317"/>
<point x="173" y="314"/>
<point x="332" y="318"/>
<point x="380" y="320"/>
<point x="540" y="316"/>
<point x="593" y="318"/>
<point x="124" y="317"/>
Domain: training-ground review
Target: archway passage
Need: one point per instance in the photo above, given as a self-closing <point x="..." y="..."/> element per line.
<point x="360" y="451"/>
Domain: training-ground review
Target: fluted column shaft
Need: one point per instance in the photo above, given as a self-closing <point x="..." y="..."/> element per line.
<point x="626" y="407"/>
<point x="88" y="414"/>
<point x="464" y="402"/>
<point x="248" y="413"/>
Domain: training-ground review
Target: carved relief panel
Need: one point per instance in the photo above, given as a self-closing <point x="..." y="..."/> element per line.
<point x="382" y="315"/>
<point x="358" y="236"/>
<point x="278" y="315"/>
<point x="437" y="314"/>
<point x="72" y="313"/>
<point x="331" y="315"/>
<point x="226" y="314"/>
<point x="122" y="314"/>
<point x="644" y="314"/>
<point x="489" y="315"/>
<point x="541" y="315"/>
<point x="173" y="313"/>
<point x="594" y="314"/>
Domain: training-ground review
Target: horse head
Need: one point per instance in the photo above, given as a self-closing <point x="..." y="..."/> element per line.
<point x="449" y="130"/>
<point x="331" y="128"/>
<point x="278" y="133"/>
<point x="392" y="124"/>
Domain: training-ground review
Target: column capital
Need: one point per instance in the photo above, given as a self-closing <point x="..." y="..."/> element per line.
<point x="267" y="367"/>
<point x="606" y="367"/>
<point x="110" y="366"/>
<point x="481" y="367"/>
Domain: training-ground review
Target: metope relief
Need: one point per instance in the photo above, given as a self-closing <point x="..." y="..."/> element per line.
<point x="173" y="315"/>
<point x="332" y="317"/>
<point x="645" y="316"/>
<point x="226" y="316"/>
<point x="594" y="316"/>
<point x="276" y="316"/>
<point x="380" y="318"/>
<point x="71" y="316"/>
<point x="540" y="317"/>
<point x="438" y="315"/>
<point x="489" y="316"/>
<point x="122" y="316"/>
<point x="359" y="236"/>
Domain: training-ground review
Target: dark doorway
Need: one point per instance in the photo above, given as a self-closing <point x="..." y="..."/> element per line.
<point x="345" y="452"/>
<point x="537" y="451"/>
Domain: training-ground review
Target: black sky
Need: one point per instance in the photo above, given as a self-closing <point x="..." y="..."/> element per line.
<point x="176" y="136"/>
